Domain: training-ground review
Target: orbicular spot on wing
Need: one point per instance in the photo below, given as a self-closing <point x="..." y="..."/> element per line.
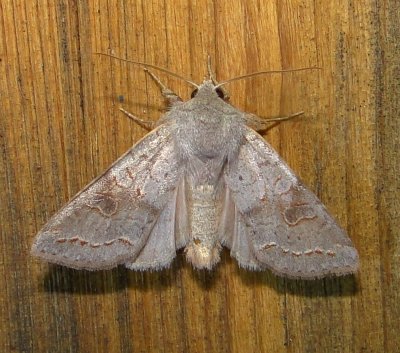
<point x="297" y="213"/>
<point x="294" y="205"/>
<point x="104" y="203"/>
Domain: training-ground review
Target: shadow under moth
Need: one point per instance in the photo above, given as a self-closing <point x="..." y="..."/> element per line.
<point x="203" y="178"/>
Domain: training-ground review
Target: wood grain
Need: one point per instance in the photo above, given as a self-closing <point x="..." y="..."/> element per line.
<point x="60" y="127"/>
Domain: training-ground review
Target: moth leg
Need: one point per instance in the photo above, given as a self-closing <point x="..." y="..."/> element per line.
<point x="149" y="125"/>
<point x="165" y="91"/>
<point x="261" y="124"/>
<point x="282" y="118"/>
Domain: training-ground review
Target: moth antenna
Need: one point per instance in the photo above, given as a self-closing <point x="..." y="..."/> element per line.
<point x="211" y="73"/>
<point x="153" y="67"/>
<point x="265" y="72"/>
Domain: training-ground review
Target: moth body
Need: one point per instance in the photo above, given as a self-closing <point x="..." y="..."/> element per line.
<point x="208" y="135"/>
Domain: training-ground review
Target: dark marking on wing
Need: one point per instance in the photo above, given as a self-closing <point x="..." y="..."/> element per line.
<point x="83" y="242"/>
<point x="297" y="213"/>
<point x="104" y="203"/>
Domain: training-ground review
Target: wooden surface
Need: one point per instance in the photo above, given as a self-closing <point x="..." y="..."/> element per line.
<point x="60" y="127"/>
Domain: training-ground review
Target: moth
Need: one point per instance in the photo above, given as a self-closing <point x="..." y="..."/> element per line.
<point x="202" y="179"/>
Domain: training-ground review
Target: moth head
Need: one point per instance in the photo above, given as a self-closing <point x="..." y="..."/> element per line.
<point x="209" y="88"/>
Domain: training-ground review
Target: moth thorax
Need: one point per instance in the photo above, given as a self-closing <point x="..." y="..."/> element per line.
<point x="203" y="248"/>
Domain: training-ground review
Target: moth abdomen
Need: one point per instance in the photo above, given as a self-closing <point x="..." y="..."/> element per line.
<point x="204" y="213"/>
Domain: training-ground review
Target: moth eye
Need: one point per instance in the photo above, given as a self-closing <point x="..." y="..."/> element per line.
<point x="194" y="93"/>
<point x="220" y="93"/>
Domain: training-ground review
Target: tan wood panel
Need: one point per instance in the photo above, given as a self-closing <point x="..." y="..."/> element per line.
<point x="60" y="127"/>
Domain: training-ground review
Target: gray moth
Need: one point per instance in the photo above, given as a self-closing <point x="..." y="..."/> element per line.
<point x="203" y="178"/>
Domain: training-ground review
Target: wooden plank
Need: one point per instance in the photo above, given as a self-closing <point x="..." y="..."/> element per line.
<point x="60" y="127"/>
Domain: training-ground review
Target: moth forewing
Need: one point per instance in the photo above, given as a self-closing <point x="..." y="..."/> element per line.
<point x="290" y="230"/>
<point x="109" y="221"/>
